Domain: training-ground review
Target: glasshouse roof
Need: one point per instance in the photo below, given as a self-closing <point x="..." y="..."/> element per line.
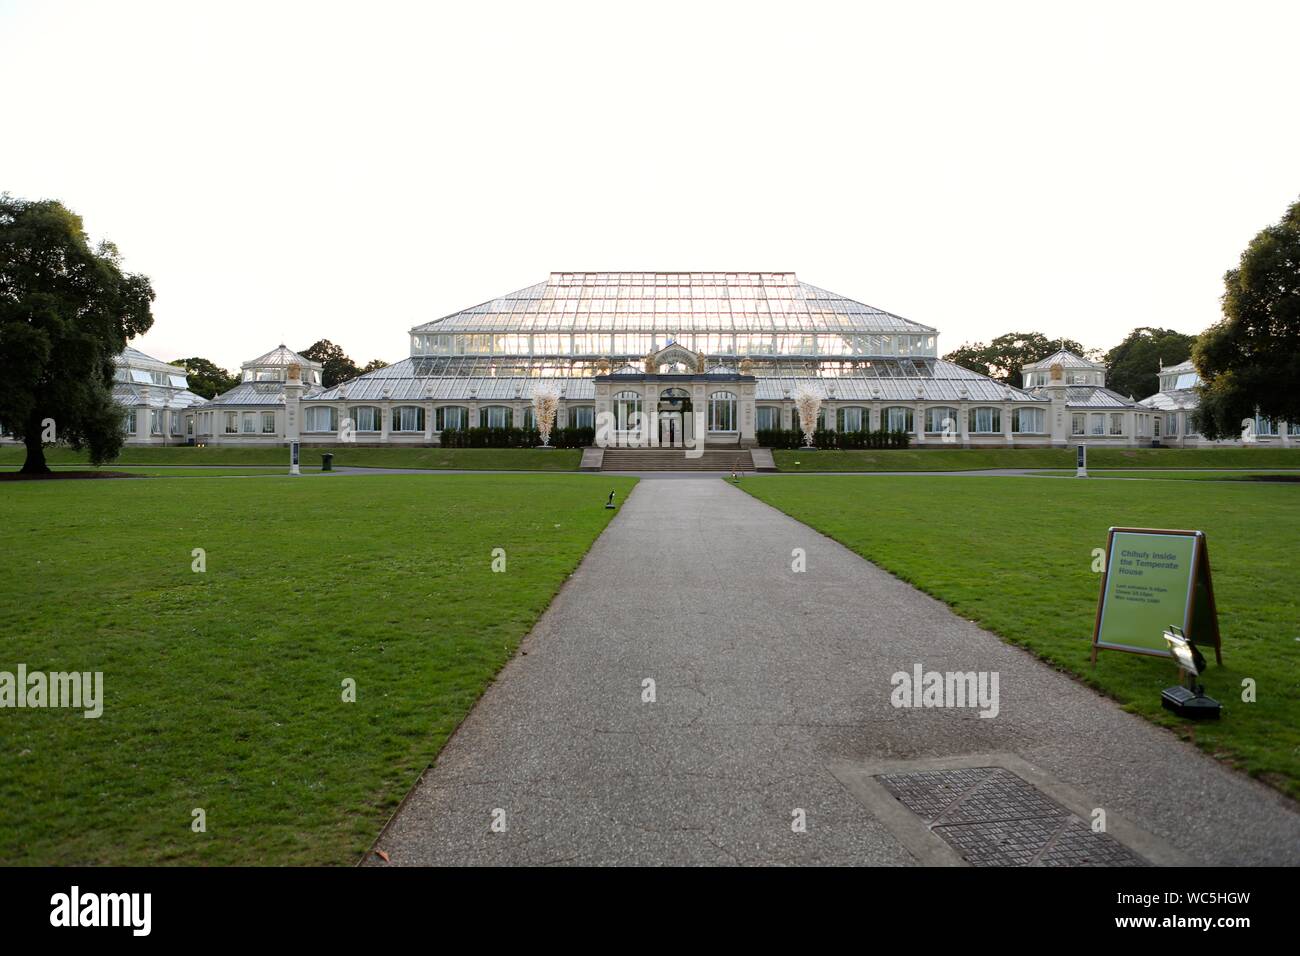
<point x="672" y="302"/>
<point x="1065" y="360"/>
<point x="466" y="378"/>
<point x="281" y="355"/>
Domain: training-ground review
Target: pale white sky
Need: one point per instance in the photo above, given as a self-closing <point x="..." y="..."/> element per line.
<point x="302" y="171"/>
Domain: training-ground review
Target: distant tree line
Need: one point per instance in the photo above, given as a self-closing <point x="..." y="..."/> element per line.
<point x="1249" y="361"/>
<point x="335" y="365"/>
<point x="208" y="379"/>
<point x="1133" y="366"/>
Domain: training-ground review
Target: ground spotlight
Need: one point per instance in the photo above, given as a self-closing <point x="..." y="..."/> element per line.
<point x="1187" y="701"/>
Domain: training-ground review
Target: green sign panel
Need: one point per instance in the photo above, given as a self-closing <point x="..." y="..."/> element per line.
<point x="1154" y="578"/>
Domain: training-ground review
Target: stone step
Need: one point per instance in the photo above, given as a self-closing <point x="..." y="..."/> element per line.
<point x="668" y="459"/>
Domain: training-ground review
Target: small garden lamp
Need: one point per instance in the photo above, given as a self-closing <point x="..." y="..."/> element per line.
<point x="1187" y="701"/>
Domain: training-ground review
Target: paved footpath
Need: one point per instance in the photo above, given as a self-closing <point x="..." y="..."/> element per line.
<point x="765" y="680"/>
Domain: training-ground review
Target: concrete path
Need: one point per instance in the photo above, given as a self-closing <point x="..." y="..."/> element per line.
<point x="764" y="681"/>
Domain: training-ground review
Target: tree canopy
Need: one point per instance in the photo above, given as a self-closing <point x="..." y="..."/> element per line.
<point x="1134" y="365"/>
<point x="335" y="365"/>
<point x="1250" y="360"/>
<point x="205" y="377"/>
<point x="66" y="311"/>
<point x="1004" y="357"/>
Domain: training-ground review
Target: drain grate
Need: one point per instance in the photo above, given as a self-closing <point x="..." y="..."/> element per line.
<point x="994" y="818"/>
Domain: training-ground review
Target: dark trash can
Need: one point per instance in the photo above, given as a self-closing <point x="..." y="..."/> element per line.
<point x="327" y="462"/>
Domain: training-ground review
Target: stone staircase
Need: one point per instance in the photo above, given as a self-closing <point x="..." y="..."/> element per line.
<point x="674" y="459"/>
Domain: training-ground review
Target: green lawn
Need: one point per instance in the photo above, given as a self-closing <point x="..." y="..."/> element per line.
<point x="179" y="471"/>
<point x="1014" y="555"/>
<point x="490" y="459"/>
<point x="970" y="459"/>
<point x="223" y="689"/>
<point x="1158" y="475"/>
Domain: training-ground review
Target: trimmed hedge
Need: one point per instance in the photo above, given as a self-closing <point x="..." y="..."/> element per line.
<point x="515" y="437"/>
<point x="793" y="438"/>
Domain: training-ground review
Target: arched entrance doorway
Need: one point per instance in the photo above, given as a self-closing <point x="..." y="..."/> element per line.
<point x="676" y="425"/>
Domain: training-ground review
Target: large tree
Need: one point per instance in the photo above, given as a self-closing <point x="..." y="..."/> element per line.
<point x="1134" y="365"/>
<point x="1250" y="360"/>
<point x="1004" y="357"/>
<point x="374" y="365"/>
<point x="66" y="310"/>
<point x="335" y="365"/>
<point x="205" y="377"/>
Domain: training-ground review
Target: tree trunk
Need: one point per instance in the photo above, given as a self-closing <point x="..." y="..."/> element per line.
<point x="35" y="463"/>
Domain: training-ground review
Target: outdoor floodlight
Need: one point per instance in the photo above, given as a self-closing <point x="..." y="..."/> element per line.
<point x="1189" y="701"/>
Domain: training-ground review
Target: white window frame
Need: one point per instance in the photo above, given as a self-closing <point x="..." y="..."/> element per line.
<point x="311" y="418"/>
<point x="1039" y="417"/>
<point x="376" y="417"/>
<point x="890" y="422"/>
<point x="935" y="416"/>
<point x="723" y="407"/>
<point x="400" y="419"/>
<point x="842" y="418"/>
<point x="994" y="418"/>
<point x="500" y="412"/>
<point x="440" y="417"/>
<point x="627" y="408"/>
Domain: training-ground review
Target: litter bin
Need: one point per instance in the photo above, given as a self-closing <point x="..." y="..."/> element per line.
<point x="327" y="462"/>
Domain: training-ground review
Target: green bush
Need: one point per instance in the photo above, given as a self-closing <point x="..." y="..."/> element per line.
<point x="515" y="437"/>
<point x="490" y="438"/>
<point x="574" y="437"/>
<point x="793" y="439"/>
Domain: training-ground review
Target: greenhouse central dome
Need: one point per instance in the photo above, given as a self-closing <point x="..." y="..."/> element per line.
<point x="724" y="315"/>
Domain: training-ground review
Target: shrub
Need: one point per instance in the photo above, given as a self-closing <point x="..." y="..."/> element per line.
<point x="515" y="437"/>
<point x="793" y="438"/>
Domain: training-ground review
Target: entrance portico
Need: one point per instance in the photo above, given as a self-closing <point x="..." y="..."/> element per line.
<point x="673" y="401"/>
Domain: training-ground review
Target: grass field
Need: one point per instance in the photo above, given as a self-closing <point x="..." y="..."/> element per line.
<point x="1158" y="475"/>
<point x="491" y="459"/>
<point x="971" y="459"/>
<point x="1014" y="555"/>
<point x="223" y="689"/>
<point x="179" y="471"/>
<point x="567" y="459"/>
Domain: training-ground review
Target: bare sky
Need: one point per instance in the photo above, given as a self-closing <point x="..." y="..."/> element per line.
<point x="289" y="172"/>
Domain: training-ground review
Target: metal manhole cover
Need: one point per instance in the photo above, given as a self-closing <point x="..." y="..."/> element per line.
<point x="992" y="817"/>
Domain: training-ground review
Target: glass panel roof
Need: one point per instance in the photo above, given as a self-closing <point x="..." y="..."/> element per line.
<point x="470" y="378"/>
<point x="673" y="302"/>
